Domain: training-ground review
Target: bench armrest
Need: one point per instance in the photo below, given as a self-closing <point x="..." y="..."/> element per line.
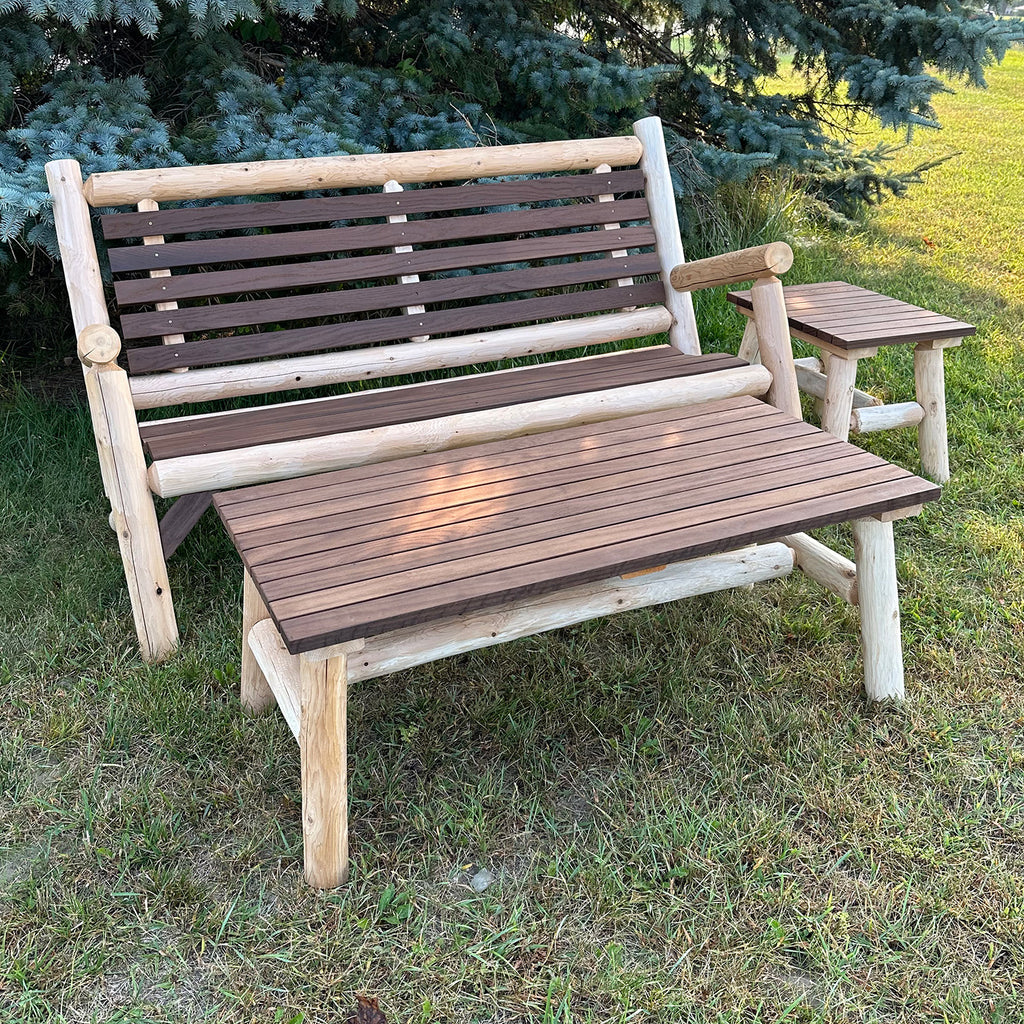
<point x="732" y="267"/>
<point x="98" y="344"/>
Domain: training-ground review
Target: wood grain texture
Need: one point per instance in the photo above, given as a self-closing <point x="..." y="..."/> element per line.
<point x="664" y="219"/>
<point x="138" y="291"/>
<point x="255" y="692"/>
<point x="293" y="212"/>
<point x="848" y="317"/>
<point x="875" y="553"/>
<point x="730" y="267"/>
<point x="280" y="460"/>
<point x="272" y="375"/>
<point x="368" y="409"/>
<point x="365" y="332"/>
<point x="123" y="469"/>
<point x="280" y="244"/>
<point x="118" y="188"/>
<point x="78" y="257"/>
<point x="586" y="530"/>
<point x="406" y="648"/>
<point x="180" y="518"/>
<point x="410" y="292"/>
<point x="323" y="752"/>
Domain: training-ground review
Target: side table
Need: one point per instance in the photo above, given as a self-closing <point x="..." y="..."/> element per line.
<point x="847" y="323"/>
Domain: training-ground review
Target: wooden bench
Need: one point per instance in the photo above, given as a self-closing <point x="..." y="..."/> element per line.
<point x="846" y="324"/>
<point x="367" y="280"/>
<point x="491" y="504"/>
<point x="360" y="572"/>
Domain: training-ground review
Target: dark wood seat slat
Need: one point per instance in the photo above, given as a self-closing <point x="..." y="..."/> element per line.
<point x="655" y="506"/>
<point x="281" y="244"/>
<point x="848" y="317"/>
<point x="246" y="347"/>
<point x="289" y="212"/>
<point x="360" y="411"/>
<point x="335" y="302"/>
<point x="307" y="502"/>
<point x="466" y="385"/>
<point x="144" y="290"/>
<point x="414" y="537"/>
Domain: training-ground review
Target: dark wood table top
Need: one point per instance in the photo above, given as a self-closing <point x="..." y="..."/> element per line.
<point x="360" y="551"/>
<point x="848" y="317"/>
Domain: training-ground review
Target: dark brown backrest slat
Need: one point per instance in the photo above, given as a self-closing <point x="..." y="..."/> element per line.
<point x="373" y="236"/>
<point x="326" y="209"/>
<point x="365" y="332"/>
<point x="138" y="291"/>
<point x="358" y="300"/>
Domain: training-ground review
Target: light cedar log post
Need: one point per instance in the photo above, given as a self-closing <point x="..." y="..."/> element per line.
<point x="748" y="350"/>
<point x="400" y="218"/>
<point x="122" y="462"/>
<point x="774" y="345"/>
<point x="77" y="245"/>
<point x="213" y="471"/>
<point x="323" y="752"/>
<point x="932" y="432"/>
<point x="148" y="206"/>
<point x="886" y="417"/>
<point x="123" y="469"/>
<point x="760" y="262"/>
<point x="839" y="388"/>
<point x="365" y="170"/>
<point x="255" y="692"/>
<point x="875" y="553"/>
<point x="661" y="202"/>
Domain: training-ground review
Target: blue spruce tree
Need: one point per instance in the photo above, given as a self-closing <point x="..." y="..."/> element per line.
<point x="139" y="83"/>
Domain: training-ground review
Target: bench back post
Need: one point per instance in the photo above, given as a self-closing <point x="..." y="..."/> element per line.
<point x="77" y="245"/>
<point x="662" y="203"/>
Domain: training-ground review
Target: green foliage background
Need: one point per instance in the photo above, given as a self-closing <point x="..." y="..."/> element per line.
<point x="140" y="83"/>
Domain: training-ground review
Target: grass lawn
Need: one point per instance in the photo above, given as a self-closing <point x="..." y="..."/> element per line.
<point x="691" y="812"/>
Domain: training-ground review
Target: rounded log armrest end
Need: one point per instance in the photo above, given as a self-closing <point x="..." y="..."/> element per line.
<point x="98" y="344"/>
<point x="732" y="267"/>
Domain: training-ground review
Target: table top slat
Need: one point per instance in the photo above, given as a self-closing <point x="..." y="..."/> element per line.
<point x="458" y="533"/>
<point x="848" y="317"/>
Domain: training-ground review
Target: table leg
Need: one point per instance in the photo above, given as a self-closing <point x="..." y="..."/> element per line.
<point x="255" y="693"/>
<point x="323" y="753"/>
<point x="840" y="380"/>
<point x="749" y="352"/>
<point x="875" y="554"/>
<point x="932" y="439"/>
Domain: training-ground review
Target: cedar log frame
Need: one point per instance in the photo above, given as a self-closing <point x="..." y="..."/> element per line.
<point x="114" y="398"/>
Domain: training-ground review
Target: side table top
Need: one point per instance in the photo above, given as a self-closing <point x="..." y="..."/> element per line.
<point x="848" y="317"/>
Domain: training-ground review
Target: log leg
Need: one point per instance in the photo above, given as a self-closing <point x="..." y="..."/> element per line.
<point x="133" y="515"/>
<point x="255" y="692"/>
<point x="749" y="352"/>
<point x="839" y="387"/>
<point x="932" y="440"/>
<point x="879" y="609"/>
<point x="323" y="753"/>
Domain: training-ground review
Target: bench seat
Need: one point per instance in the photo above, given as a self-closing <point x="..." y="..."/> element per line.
<point x="361" y="551"/>
<point x="292" y="421"/>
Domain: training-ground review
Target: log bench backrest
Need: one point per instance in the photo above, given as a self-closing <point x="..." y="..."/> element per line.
<point x="425" y="267"/>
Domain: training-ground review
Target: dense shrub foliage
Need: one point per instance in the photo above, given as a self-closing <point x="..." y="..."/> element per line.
<point x="137" y="83"/>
